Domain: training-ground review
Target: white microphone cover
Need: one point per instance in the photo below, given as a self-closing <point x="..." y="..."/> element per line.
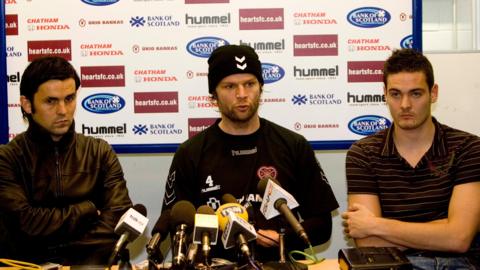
<point x="205" y="223"/>
<point x="273" y="192"/>
<point x="132" y="222"/>
<point x="236" y="225"/>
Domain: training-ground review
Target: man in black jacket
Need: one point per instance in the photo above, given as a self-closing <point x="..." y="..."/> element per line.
<point x="61" y="193"/>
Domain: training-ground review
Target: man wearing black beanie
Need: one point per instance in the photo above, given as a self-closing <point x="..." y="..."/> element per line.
<point x="240" y="149"/>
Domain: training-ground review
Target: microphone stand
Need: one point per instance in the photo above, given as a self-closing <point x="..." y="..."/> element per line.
<point x="281" y="245"/>
<point x="124" y="263"/>
<point x="179" y="248"/>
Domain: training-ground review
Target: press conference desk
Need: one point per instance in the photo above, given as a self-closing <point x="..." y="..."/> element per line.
<point x="328" y="264"/>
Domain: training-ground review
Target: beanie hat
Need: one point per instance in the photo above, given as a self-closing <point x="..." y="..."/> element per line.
<point x="232" y="59"/>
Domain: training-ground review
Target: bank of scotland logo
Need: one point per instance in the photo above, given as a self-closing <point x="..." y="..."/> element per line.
<point x="140" y="129"/>
<point x="137" y="21"/>
<point x="299" y="99"/>
<point x="369" y="17"/>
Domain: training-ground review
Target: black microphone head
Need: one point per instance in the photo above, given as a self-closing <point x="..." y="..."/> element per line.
<point x="262" y="184"/>
<point x="141" y="209"/>
<point x="163" y="223"/>
<point x="183" y="212"/>
<point x="228" y="198"/>
<point x="205" y="209"/>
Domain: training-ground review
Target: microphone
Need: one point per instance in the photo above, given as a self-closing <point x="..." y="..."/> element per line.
<point x="278" y="201"/>
<point x="183" y="213"/>
<point x="131" y="224"/>
<point x="206" y="229"/>
<point x="233" y="220"/>
<point x="159" y="232"/>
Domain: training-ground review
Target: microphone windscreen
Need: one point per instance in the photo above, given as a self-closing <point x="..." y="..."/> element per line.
<point x="222" y="213"/>
<point x="205" y="209"/>
<point x="163" y="223"/>
<point x="228" y="198"/>
<point x="140" y="208"/>
<point x="183" y="212"/>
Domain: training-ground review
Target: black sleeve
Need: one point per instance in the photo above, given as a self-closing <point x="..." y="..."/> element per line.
<point x="315" y="196"/>
<point x="179" y="184"/>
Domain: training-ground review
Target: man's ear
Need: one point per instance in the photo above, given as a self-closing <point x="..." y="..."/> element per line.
<point x="26" y="104"/>
<point x="434" y="93"/>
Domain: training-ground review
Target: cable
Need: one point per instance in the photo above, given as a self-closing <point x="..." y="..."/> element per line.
<point x="253" y="264"/>
<point x="311" y="257"/>
<point x="21" y="264"/>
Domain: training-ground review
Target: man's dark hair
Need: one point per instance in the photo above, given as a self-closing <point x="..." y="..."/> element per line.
<point x="44" y="69"/>
<point x="408" y="60"/>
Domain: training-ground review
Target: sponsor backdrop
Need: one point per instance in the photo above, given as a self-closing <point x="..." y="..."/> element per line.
<point x="143" y="63"/>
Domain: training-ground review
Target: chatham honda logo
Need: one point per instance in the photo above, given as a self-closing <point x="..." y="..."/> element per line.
<point x="315" y="45"/>
<point x="261" y="18"/>
<point x="102" y="76"/>
<point x="272" y="73"/>
<point x="365" y="71"/>
<point x="312" y="18"/>
<point x="11" y="24"/>
<point x="204" y="46"/>
<point x="40" y="48"/>
<point x="197" y="125"/>
<point x="199" y="102"/>
<point x="155" y="102"/>
<point x="368" y="124"/>
<point x="99" y="49"/>
<point x="103" y="103"/>
<point x="366" y="44"/>
<point x="153" y="75"/>
<point x="100" y="2"/>
<point x="46" y="24"/>
<point x="368" y="17"/>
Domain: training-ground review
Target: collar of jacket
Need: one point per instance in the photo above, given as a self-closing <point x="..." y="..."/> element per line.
<point x="41" y="136"/>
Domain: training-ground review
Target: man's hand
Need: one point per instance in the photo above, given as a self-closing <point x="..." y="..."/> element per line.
<point x="267" y="238"/>
<point x="358" y="221"/>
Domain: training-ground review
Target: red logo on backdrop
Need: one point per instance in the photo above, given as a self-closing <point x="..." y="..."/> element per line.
<point x="102" y="76"/>
<point x="39" y="48"/>
<point x="197" y="125"/>
<point x="261" y="18"/>
<point x="156" y="102"/>
<point x="11" y="24"/>
<point x="365" y="71"/>
<point x="206" y="1"/>
<point x="315" y="45"/>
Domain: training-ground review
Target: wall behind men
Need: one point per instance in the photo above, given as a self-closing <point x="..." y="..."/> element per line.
<point x="457" y="106"/>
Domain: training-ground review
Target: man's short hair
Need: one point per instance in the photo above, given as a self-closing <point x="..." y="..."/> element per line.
<point x="408" y="60"/>
<point x="44" y="69"/>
